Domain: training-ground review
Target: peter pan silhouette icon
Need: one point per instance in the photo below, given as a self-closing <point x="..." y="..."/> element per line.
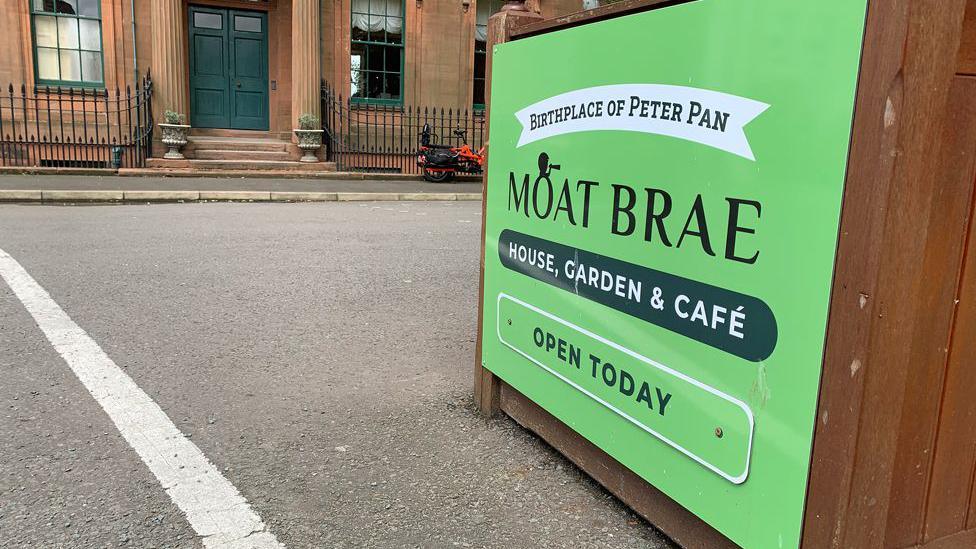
<point x="545" y="169"/>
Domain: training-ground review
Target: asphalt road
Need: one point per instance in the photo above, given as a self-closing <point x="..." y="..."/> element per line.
<point x="318" y="354"/>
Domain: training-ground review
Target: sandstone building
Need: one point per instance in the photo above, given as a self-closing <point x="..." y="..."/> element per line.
<point x="241" y="66"/>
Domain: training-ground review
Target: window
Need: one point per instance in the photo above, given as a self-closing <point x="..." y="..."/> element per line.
<point x="67" y="42"/>
<point x="247" y="24"/>
<point x="207" y="20"/>
<point x="485" y="9"/>
<point x="377" y="51"/>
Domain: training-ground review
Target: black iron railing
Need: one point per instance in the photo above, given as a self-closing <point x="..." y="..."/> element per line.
<point x="385" y="138"/>
<point x="80" y="128"/>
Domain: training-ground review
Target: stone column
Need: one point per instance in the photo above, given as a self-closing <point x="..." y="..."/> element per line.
<point x="169" y="57"/>
<point x="306" y="66"/>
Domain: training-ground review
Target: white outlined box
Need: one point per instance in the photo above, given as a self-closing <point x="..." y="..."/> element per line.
<point x="735" y="477"/>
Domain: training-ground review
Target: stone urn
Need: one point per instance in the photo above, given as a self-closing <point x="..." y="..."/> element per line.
<point x="309" y="141"/>
<point x="174" y="137"/>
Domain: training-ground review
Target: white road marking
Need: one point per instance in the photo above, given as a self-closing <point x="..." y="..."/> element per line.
<point x="213" y="506"/>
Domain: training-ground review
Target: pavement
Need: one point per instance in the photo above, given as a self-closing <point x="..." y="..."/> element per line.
<point x="116" y="183"/>
<point x="69" y="189"/>
<point x="319" y="354"/>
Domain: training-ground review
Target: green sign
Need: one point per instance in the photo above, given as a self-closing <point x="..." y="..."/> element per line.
<point x="663" y="204"/>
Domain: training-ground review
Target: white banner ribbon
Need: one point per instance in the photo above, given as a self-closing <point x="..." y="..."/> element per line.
<point x="708" y="117"/>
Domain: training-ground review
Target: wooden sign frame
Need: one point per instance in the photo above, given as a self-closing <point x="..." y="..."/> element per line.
<point x="907" y="208"/>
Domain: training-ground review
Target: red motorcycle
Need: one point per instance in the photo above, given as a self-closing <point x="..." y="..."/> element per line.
<point x="439" y="163"/>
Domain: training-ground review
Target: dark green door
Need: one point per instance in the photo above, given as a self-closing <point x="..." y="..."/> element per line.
<point x="228" y="68"/>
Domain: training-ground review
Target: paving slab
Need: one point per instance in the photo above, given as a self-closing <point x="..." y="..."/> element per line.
<point x="302" y="197"/>
<point x="359" y="196"/>
<point x="7" y="195"/>
<point x="235" y="195"/>
<point x="160" y="195"/>
<point x="72" y="195"/>
<point x="428" y="196"/>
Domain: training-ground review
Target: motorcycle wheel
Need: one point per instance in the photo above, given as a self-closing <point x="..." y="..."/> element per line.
<point x="439" y="176"/>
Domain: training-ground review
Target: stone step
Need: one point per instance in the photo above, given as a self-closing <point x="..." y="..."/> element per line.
<point x="260" y="165"/>
<point x="224" y="154"/>
<point x="241" y="165"/>
<point x="226" y="133"/>
<point x="326" y="171"/>
<point x="196" y="143"/>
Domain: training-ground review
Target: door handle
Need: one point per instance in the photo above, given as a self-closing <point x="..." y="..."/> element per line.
<point x="238" y="84"/>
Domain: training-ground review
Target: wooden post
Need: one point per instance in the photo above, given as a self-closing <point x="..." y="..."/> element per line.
<point x="500" y="26"/>
<point x="886" y="323"/>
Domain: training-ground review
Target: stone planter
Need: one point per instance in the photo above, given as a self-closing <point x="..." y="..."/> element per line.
<point x="174" y="137"/>
<point x="309" y="141"/>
